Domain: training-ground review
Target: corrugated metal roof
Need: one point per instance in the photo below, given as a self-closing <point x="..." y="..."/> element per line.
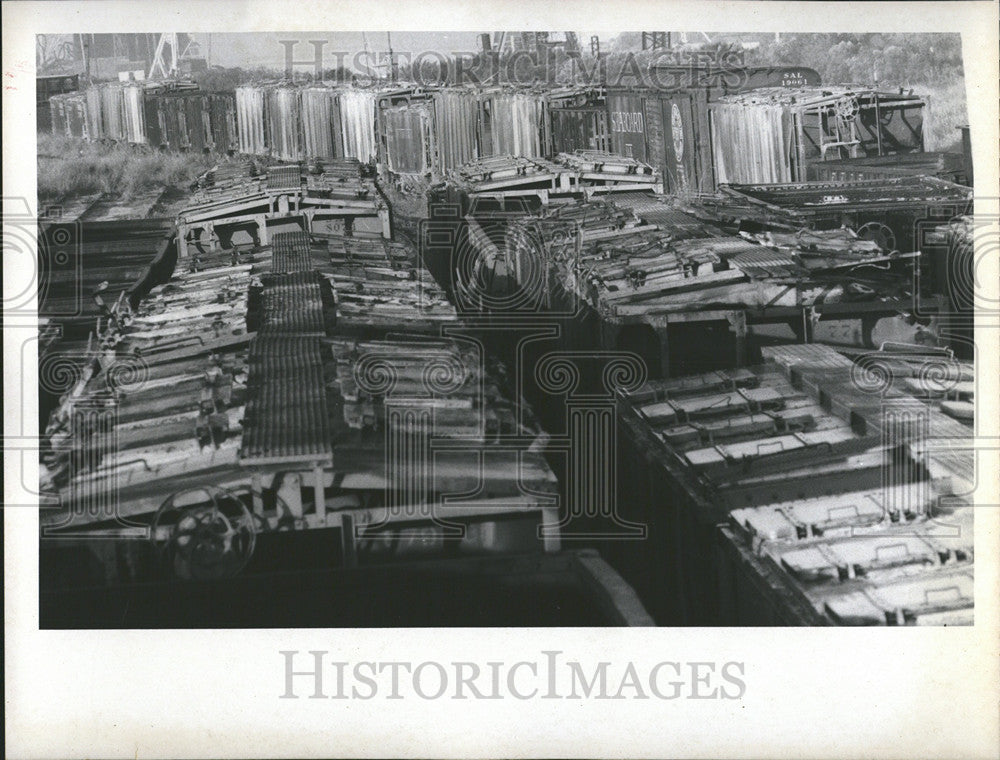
<point x="284" y="177"/>
<point x="287" y="416"/>
<point x="290" y="250"/>
<point x="292" y="304"/>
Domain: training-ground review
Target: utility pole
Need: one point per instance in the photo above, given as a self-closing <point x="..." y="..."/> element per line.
<point x="392" y="61"/>
<point x="85" y="52"/>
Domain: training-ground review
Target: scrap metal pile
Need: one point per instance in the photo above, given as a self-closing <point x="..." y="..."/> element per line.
<point x="626" y="268"/>
<point x="161" y="402"/>
<point x="778" y="134"/>
<point x="581" y="172"/>
<point x="846" y="482"/>
<point x="295" y="382"/>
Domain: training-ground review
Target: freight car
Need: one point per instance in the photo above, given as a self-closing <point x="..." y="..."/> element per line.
<point x="776" y="135"/>
<point x="830" y="477"/>
<point x="172" y="116"/>
<point x="406" y="128"/>
<point x="189" y="120"/>
<point x="668" y="124"/>
<point x="45" y="88"/>
<point x="281" y="384"/>
<point x="889" y="211"/>
<point x="699" y="127"/>
<point x="639" y="274"/>
<point x="579" y="119"/>
<point x="68" y="115"/>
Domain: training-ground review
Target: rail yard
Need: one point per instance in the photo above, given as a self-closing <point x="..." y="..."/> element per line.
<point x="542" y="355"/>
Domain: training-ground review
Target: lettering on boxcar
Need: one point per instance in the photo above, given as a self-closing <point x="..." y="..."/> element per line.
<point x="626" y="121"/>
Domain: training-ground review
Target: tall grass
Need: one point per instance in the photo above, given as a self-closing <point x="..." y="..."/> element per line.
<point x="948" y="111"/>
<point x="71" y="167"/>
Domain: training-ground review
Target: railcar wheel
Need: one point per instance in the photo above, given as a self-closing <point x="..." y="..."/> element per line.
<point x="204" y="533"/>
<point x="878" y="233"/>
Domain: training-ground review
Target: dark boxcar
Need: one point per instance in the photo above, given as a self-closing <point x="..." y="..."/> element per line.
<point x="627" y="124"/>
<point x="687" y="149"/>
<point x="57" y="110"/>
<point x="778" y="76"/>
<point x="669" y="130"/>
<point x="673" y="119"/>
<point x="196" y="116"/>
<point x="155" y="135"/>
<point x="721" y="79"/>
<point x="223" y="121"/>
<point x="174" y="123"/>
<point x="45" y="88"/>
<point x="580" y="129"/>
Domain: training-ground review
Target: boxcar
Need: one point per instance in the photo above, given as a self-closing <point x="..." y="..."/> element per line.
<point x="283" y="120"/>
<point x="627" y="124"/>
<point x="320" y="114"/>
<point x="251" y="120"/>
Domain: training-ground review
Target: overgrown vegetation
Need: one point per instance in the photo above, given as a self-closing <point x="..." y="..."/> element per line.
<point x="71" y="167"/>
<point x="929" y="64"/>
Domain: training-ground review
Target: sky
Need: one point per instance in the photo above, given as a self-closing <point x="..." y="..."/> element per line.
<point x="265" y="48"/>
